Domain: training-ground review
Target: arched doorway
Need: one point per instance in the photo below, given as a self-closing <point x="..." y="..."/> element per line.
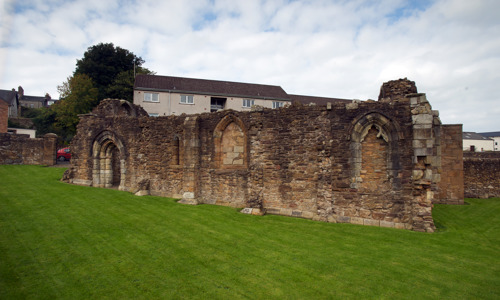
<point x="109" y="162"/>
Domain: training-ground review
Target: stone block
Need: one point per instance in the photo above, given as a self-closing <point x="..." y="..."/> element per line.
<point x="142" y="193"/>
<point x="428" y="174"/>
<point x="386" y="224"/>
<point x="307" y="214"/>
<point x="418" y="174"/>
<point x="422" y="134"/>
<point x="343" y="219"/>
<point x="399" y="225"/>
<point x="238" y="149"/>
<point x="423" y="151"/>
<point x="331" y="219"/>
<point x="371" y="222"/>
<point x="246" y="210"/>
<point x="422" y="119"/>
<point x="258" y="212"/>
<point x="419" y="143"/>
<point x="351" y="106"/>
<point x="273" y="211"/>
<point x="356" y="220"/>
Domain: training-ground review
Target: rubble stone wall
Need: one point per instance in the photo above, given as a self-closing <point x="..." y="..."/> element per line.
<point x="21" y="149"/>
<point x="4" y="116"/>
<point x="373" y="163"/>
<point x="482" y="174"/>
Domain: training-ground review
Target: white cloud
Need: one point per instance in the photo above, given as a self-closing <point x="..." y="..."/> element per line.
<point x="341" y="49"/>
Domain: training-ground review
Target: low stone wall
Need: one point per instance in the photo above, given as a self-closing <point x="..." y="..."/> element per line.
<point x="17" y="149"/>
<point x="482" y="174"/>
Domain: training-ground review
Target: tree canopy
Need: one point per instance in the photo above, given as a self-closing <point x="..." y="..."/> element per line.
<point x="111" y="70"/>
<point x="105" y="71"/>
<point x="79" y="97"/>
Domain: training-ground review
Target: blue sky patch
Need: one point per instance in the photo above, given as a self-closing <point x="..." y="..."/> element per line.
<point x="408" y="9"/>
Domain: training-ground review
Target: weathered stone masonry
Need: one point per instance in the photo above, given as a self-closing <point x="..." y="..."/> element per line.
<point x="21" y="149"/>
<point x="482" y="174"/>
<point x="373" y="163"/>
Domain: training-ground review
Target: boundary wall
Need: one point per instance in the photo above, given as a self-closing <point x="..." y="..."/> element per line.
<point x="482" y="174"/>
<point x="17" y="149"/>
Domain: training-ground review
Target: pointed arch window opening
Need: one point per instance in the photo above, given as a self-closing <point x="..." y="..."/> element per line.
<point x="383" y="136"/>
<point x="230" y="141"/>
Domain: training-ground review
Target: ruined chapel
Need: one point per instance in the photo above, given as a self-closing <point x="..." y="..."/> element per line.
<point x="379" y="163"/>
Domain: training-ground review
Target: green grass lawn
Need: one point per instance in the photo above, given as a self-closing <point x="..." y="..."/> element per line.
<point x="64" y="241"/>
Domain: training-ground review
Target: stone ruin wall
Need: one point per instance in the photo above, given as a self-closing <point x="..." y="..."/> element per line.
<point x="372" y="163"/>
<point x="4" y="116"/>
<point x="16" y="149"/>
<point x="451" y="184"/>
<point x="482" y="174"/>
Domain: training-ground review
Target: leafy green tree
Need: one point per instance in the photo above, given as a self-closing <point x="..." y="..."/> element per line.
<point x="111" y="69"/>
<point x="123" y="85"/>
<point x="78" y="96"/>
<point x="44" y="122"/>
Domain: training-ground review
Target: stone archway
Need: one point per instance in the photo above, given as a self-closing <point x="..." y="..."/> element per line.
<point x="374" y="138"/>
<point x="109" y="162"/>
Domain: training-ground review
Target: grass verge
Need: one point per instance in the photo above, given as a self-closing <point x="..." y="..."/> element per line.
<point x="65" y="241"/>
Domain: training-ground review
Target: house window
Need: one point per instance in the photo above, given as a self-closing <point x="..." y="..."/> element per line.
<point x="187" y="99"/>
<point x="32" y="105"/>
<point x="217" y="103"/>
<point x="151" y="97"/>
<point x="154" y="114"/>
<point x="248" y="102"/>
<point x="277" y="104"/>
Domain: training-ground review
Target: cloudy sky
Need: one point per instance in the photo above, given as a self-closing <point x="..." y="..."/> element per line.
<point x="343" y="49"/>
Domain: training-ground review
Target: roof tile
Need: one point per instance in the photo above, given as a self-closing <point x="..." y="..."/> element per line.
<point x="212" y="87"/>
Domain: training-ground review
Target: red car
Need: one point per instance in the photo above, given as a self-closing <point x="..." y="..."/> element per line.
<point x="63" y="154"/>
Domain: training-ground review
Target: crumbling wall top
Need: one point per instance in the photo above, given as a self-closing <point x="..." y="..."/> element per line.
<point x="397" y="89"/>
<point x="118" y="107"/>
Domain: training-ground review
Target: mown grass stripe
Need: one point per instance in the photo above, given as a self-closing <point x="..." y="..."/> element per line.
<point x="65" y="241"/>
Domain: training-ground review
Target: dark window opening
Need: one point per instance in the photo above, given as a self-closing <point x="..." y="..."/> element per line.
<point x="217" y="103"/>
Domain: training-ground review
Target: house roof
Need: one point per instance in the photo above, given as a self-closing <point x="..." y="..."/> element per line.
<point x="317" y="100"/>
<point x="209" y="87"/>
<point x="490" y="134"/>
<point x="8" y="96"/>
<point x="32" y="98"/>
<point x="474" y="136"/>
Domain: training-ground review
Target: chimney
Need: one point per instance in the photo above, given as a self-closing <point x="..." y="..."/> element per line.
<point x="20" y="91"/>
